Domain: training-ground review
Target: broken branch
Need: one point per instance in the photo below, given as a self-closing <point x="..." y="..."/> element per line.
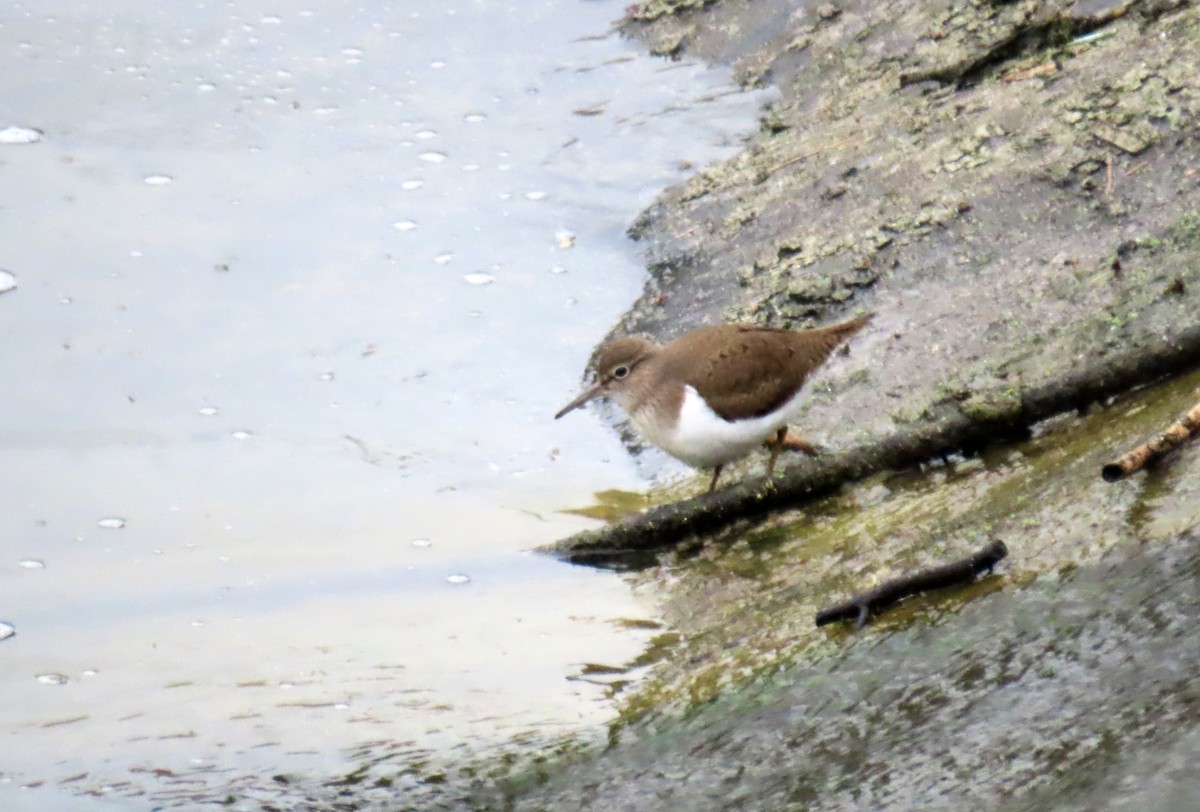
<point x="873" y="601"/>
<point x="1146" y="453"/>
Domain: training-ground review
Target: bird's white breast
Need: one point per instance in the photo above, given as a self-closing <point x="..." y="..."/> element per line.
<point x="702" y="438"/>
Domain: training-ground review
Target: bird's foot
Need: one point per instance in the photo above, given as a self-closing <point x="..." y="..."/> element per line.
<point x="794" y="442"/>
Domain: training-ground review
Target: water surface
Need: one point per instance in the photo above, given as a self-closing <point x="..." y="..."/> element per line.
<point x="297" y="290"/>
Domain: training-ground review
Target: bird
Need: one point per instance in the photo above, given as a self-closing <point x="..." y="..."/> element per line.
<point x="716" y="393"/>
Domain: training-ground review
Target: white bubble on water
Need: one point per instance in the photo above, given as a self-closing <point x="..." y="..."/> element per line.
<point x="157" y="180"/>
<point x="20" y="135"/>
<point x="432" y="157"/>
<point x="404" y="225"/>
<point x="207" y="411"/>
<point x="52" y="679"/>
<point x="111" y="523"/>
<point x="479" y="278"/>
<point x="31" y="564"/>
<point x="535" y="195"/>
<point x="241" y="434"/>
<point x="422" y="543"/>
<point x="443" y="259"/>
<point x="410" y="185"/>
<point x="458" y="578"/>
<point x="474" y="118"/>
<point x="7" y="281"/>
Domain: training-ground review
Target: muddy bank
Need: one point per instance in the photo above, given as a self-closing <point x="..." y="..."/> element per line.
<point x="1012" y="188"/>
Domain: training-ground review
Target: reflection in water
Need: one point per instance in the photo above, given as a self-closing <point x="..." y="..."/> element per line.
<point x="299" y="293"/>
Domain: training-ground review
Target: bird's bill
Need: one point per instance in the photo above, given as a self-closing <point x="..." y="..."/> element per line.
<point x="592" y="391"/>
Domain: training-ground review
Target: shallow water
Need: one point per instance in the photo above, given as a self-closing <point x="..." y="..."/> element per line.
<point x="296" y="294"/>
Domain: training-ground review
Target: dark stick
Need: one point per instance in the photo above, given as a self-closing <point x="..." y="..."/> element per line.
<point x="1146" y="453"/>
<point x="950" y="427"/>
<point x="873" y="601"/>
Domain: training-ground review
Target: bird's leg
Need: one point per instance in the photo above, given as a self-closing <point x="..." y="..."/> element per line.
<point x="776" y="445"/>
<point x="716" y="475"/>
<point x="794" y="442"/>
<point x="784" y="438"/>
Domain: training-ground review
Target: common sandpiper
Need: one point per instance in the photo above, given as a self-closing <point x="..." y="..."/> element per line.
<point x="716" y="393"/>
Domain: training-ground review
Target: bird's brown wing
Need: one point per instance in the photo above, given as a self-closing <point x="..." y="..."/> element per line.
<point x="745" y="371"/>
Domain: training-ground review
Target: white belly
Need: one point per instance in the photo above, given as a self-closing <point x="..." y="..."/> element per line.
<point x="704" y="439"/>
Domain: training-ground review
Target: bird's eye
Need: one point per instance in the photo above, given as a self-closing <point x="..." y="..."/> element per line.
<point x="620" y="372"/>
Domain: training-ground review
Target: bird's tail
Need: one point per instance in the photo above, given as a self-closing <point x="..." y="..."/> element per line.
<point x="813" y="347"/>
<point x="830" y="337"/>
<point x="837" y="334"/>
<point x="844" y="330"/>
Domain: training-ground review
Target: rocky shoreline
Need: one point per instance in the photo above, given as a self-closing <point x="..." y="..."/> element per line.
<point x="1013" y="188"/>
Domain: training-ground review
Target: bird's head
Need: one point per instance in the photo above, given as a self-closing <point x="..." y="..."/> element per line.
<point x="616" y="371"/>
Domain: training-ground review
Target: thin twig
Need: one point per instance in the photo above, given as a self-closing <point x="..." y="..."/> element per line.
<point x="873" y="601"/>
<point x="813" y="153"/>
